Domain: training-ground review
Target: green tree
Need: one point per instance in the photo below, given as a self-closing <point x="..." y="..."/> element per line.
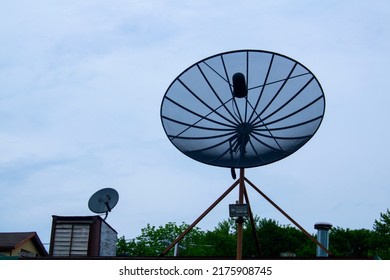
<point x="350" y="243"/>
<point x="122" y="247"/>
<point x="221" y="242"/>
<point x="275" y="239"/>
<point x="381" y="238"/>
<point x="154" y="240"/>
<point x="362" y="243"/>
<point x="383" y="225"/>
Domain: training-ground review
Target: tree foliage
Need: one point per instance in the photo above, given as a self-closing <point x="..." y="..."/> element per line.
<point x="363" y="243"/>
<point x="220" y="242"/>
<point x="351" y="243"/>
<point x="153" y="240"/>
<point x="381" y="240"/>
<point x="274" y="239"/>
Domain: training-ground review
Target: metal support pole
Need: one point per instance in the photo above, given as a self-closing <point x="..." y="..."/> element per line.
<point x="240" y="220"/>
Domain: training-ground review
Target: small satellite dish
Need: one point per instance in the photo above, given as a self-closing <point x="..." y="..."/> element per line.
<point x="103" y="201"/>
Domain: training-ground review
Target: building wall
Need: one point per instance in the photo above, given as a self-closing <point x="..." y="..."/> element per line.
<point x="26" y="247"/>
<point x="108" y="239"/>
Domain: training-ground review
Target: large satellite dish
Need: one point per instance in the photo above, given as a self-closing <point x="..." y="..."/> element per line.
<point x="103" y="201"/>
<point x="242" y="109"/>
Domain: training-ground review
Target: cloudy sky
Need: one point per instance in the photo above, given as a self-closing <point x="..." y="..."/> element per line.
<point x="81" y="84"/>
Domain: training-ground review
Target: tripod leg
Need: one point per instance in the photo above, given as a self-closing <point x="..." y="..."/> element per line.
<point x="288" y="217"/>
<point x="253" y="224"/>
<point x="181" y="236"/>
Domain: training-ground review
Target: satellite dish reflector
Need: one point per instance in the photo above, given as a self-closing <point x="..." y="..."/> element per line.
<point x="103" y="201"/>
<point x="242" y="108"/>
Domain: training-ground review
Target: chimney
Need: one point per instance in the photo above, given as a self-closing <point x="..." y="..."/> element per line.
<point x="322" y="237"/>
<point x="82" y="236"/>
